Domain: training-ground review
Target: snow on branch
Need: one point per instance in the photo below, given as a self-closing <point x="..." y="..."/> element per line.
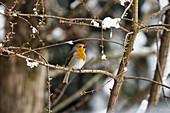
<point x="111" y="22"/>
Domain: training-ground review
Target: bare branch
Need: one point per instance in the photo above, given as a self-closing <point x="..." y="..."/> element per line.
<point x="106" y="73"/>
<point x="124" y="61"/>
<point x="156" y="14"/>
<point x="146" y="79"/>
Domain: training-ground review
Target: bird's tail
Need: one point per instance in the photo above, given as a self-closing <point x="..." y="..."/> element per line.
<point x="65" y="80"/>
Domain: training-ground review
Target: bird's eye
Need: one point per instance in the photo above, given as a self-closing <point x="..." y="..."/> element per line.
<point x="80" y="46"/>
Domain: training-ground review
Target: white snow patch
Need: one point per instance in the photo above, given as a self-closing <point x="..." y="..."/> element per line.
<point x="111" y="34"/>
<point x="94" y="23"/>
<point x="122" y="2"/>
<point x="14" y="14"/>
<point x="34" y="30"/>
<point x="110" y="22"/>
<point x="31" y="64"/>
<point x="103" y="57"/>
<point x="70" y="42"/>
<point x="125" y="68"/>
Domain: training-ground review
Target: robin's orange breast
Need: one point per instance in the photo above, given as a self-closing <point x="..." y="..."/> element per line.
<point x="81" y="53"/>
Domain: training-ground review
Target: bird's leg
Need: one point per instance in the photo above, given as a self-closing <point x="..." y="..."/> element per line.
<point x="79" y="71"/>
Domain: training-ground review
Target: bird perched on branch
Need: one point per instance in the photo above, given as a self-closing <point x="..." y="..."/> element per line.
<point x="75" y="60"/>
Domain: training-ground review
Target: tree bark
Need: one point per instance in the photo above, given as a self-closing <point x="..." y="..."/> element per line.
<point x="21" y="91"/>
<point x="161" y="63"/>
<point x="22" y="88"/>
<point x="124" y="62"/>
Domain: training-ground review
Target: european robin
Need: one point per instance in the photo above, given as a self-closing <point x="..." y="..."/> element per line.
<point x="75" y="60"/>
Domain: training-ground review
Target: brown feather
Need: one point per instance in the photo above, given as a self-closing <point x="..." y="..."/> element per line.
<point x="70" y="55"/>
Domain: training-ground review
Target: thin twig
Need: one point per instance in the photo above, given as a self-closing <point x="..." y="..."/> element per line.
<point x="62" y="92"/>
<point x="146" y="79"/>
<point x="124" y="13"/>
<point x="76" y="94"/>
<point x="66" y="42"/>
<point x="156" y="14"/>
<point x="88" y="8"/>
<point x="43" y="7"/>
<point x="97" y="89"/>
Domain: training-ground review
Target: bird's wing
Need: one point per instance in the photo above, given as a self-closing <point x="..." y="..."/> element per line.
<point x="70" y="55"/>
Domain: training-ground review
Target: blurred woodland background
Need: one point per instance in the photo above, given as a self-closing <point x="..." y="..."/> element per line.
<point x="127" y="68"/>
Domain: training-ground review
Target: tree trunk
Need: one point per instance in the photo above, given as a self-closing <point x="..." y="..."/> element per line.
<point x="22" y="88"/>
<point x="161" y="63"/>
<point x="115" y="91"/>
<point x="21" y="91"/>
